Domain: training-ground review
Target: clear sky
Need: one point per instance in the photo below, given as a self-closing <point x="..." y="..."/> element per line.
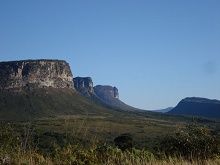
<point x="156" y="52"/>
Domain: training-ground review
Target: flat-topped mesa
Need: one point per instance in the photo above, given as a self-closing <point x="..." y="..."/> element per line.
<point x="35" y="74"/>
<point x="106" y="92"/>
<point x="196" y="106"/>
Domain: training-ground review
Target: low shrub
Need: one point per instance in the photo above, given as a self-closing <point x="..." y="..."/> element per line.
<point x="124" y="142"/>
<point x="193" y="142"/>
<point x="192" y="146"/>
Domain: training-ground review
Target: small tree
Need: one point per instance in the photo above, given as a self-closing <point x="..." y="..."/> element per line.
<point x="124" y="142"/>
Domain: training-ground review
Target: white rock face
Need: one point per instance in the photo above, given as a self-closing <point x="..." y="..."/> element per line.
<point x="35" y="74"/>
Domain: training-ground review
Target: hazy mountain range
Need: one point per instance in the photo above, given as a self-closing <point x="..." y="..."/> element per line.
<point x="46" y="88"/>
<point x="163" y="110"/>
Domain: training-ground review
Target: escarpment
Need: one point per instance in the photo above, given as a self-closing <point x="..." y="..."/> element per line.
<point x="110" y="95"/>
<point x="84" y="85"/>
<point x="103" y="95"/>
<point x="106" y="92"/>
<point x="35" y="74"/>
<point x="32" y="89"/>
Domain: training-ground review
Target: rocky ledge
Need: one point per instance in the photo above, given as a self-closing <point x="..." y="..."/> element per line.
<point x="35" y="74"/>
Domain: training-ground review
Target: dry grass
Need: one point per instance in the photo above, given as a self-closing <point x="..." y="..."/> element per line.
<point x="80" y="157"/>
<point x="95" y="130"/>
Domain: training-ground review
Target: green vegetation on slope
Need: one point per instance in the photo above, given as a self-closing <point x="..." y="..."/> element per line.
<point x="59" y="126"/>
<point x="45" y="102"/>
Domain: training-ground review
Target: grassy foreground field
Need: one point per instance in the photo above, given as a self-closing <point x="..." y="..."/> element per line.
<point x="150" y="138"/>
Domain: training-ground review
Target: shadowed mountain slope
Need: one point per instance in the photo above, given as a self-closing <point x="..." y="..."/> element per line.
<point x="197" y="107"/>
<point x="163" y="110"/>
<point x="110" y="95"/>
<point x="84" y="86"/>
<point x="45" y="102"/>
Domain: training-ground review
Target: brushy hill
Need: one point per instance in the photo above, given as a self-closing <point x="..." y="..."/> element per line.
<point x="197" y="107"/>
<point x="32" y="89"/>
<point x="44" y="102"/>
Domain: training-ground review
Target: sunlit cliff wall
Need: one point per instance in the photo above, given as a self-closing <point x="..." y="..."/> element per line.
<point x="35" y="74"/>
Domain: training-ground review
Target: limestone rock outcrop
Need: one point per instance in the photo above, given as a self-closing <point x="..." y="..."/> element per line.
<point x="84" y="85"/>
<point x="103" y="95"/>
<point x="106" y="92"/>
<point x="35" y="74"/>
<point x="110" y="95"/>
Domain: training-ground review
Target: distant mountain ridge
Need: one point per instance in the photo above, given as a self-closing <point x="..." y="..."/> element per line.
<point x="110" y="95"/>
<point x="43" y="88"/>
<point x="163" y="110"/>
<point x="196" y="106"/>
<point x="103" y="95"/>
<point x="84" y="85"/>
<point x="107" y="93"/>
<point x="32" y="89"/>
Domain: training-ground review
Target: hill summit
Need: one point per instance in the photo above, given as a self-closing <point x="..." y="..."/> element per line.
<point x="196" y="106"/>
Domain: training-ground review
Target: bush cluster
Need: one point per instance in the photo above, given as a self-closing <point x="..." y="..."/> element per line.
<point x="193" y="142"/>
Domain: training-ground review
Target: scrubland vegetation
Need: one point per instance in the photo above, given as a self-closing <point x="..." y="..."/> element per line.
<point x="24" y="144"/>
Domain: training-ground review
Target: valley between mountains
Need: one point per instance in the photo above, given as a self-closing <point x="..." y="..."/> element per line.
<point x="42" y="96"/>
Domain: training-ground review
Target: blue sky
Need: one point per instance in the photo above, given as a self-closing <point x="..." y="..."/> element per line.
<point x="156" y="52"/>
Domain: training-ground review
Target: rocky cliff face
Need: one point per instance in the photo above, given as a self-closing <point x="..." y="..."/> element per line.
<point x="110" y="95"/>
<point x="197" y="107"/>
<point x="106" y="92"/>
<point x="84" y="85"/>
<point x="35" y="74"/>
<point x="103" y="95"/>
